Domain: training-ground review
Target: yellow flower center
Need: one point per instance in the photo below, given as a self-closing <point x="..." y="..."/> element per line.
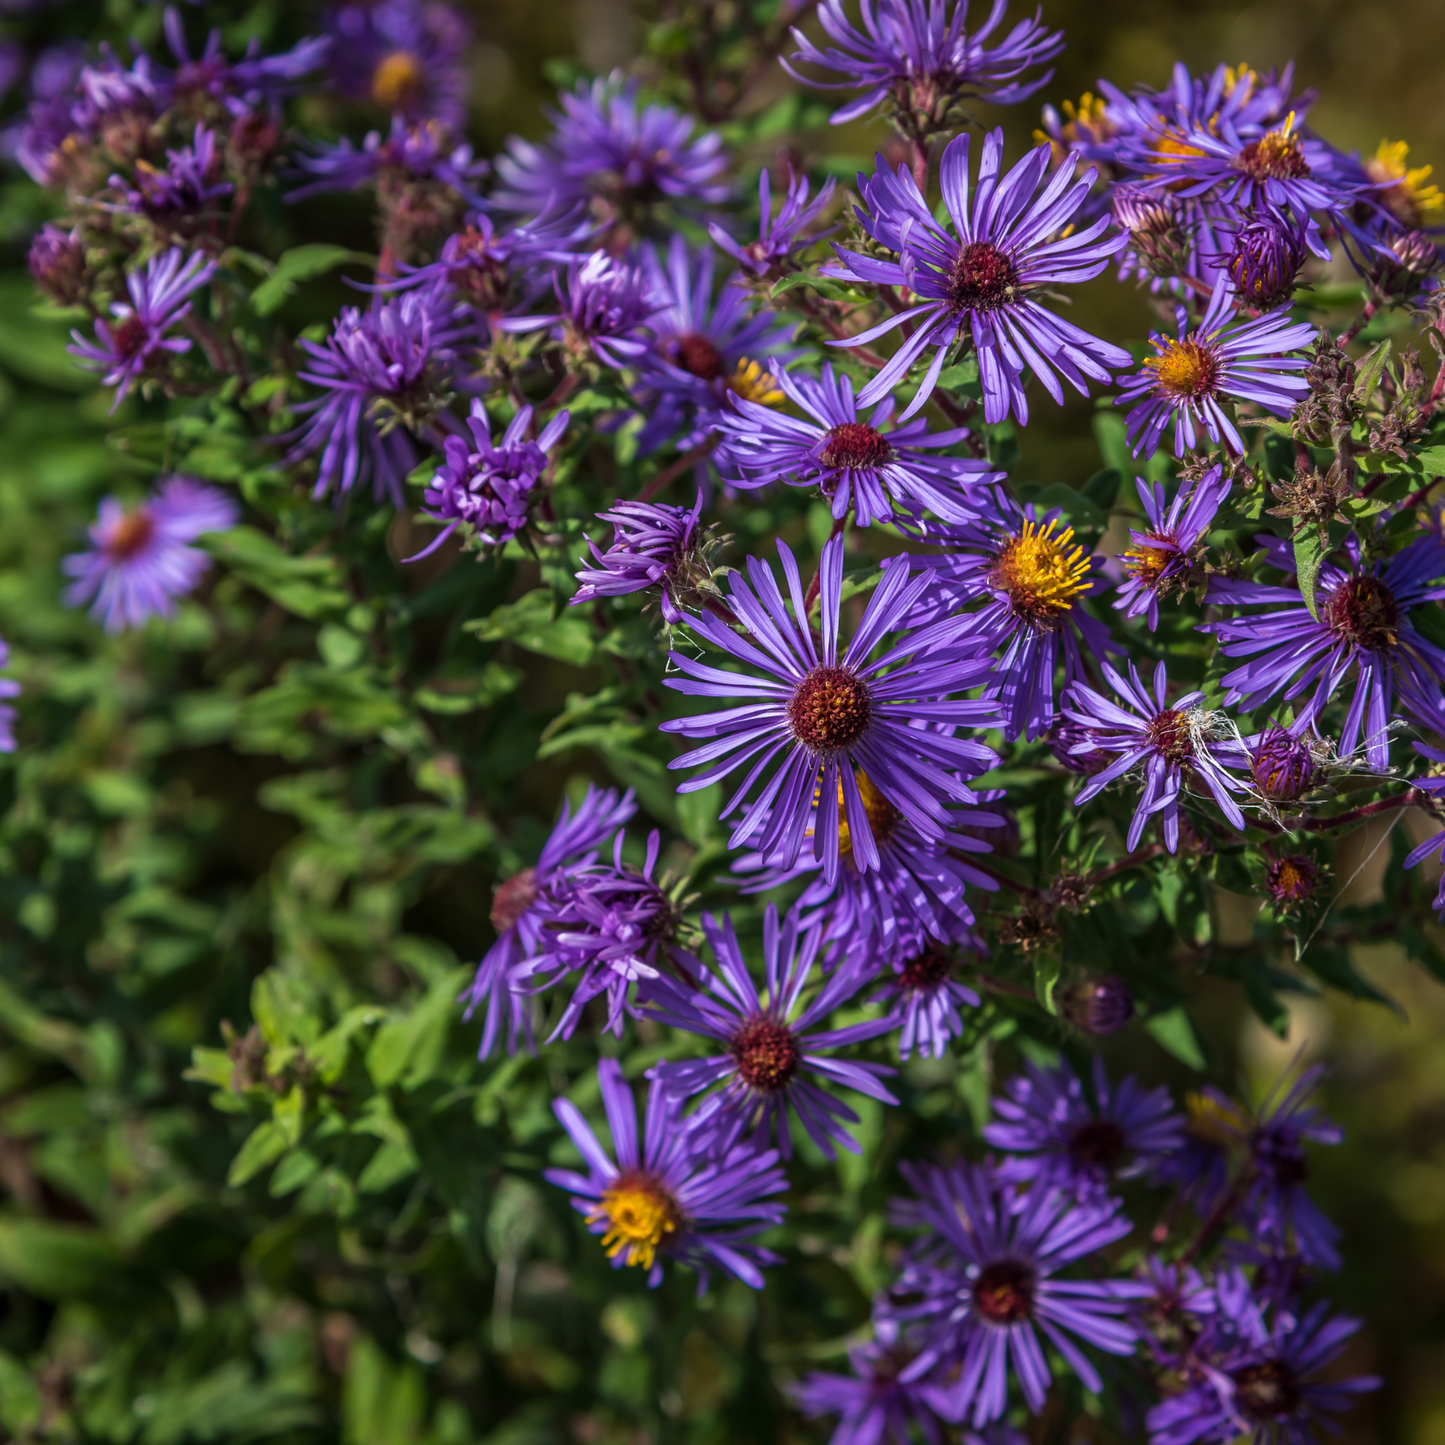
<point x="640" y="1215"/>
<point x="1239" y="75"/>
<point x="1147" y="563"/>
<point x="1215" y="1121"/>
<point x="1042" y="570"/>
<point x="397" y="80"/>
<point x="1276" y="155"/>
<point x="882" y="815"/>
<point x="1184" y="368"/>
<point x="1410" y="200"/>
<point x="752" y="383"/>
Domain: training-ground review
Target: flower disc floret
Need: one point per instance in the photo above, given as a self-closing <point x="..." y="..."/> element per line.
<point x="1003" y="1293"/>
<point x="1042" y="571"/>
<point x="830" y="709"/>
<point x="767" y="1054"/>
<point x="641" y="1216"/>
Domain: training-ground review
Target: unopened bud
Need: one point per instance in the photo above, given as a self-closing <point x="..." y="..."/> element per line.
<point x="57" y="262"/>
<point x="1098" y="1005"/>
<point x="1156" y="228"/>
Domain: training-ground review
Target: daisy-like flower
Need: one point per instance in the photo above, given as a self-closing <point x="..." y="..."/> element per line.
<point x="1405" y="192"/>
<point x="774" y="1049"/>
<point x="613" y="154"/>
<point x="135" y="342"/>
<point x="1173" y="743"/>
<point x="817" y="715"/>
<point x="1160" y="561"/>
<point x="411" y="155"/>
<point x="1061" y="1137"/>
<point x="402" y="56"/>
<point x="865" y="465"/>
<point x="522" y="905"/>
<point x="1030" y="577"/>
<point x="1293" y="881"/>
<point x="701" y="350"/>
<point x="1363" y="620"/>
<point x="669" y="1194"/>
<point x="655" y="548"/>
<point x="918" y="53"/>
<point x="986" y="1278"/>
<point x="927" y="999"/>
<point x="253" y="80"/>
<point x="980" y="285"/>
<point x="381" y="371"/>
<point x="778" y="235"/>
<point x="489" y="487"/>
<point x="1257" y="1374"/>
<point x="605" y="306"/>
<point x="141" y="559"/>
<point x="1223" y="358"/>
<point x="915" y="894"/>
<point x="874" y="1407"/>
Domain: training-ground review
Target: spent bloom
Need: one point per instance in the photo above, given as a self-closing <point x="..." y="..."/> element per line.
<point x="523" y="904"/>
<point x="1162" y="556"/>
<point x="489" y="487"/>
<point x="780" y="234"/>
<point x="919" y="54"/>
<point x="1221" y="359"/>
<point x="816" y="715"/>
<point x="864" y="465"/>
<point x="669" y="1194"/>
<point x="1013" y="240"/>
<point x="1263" y="260"/>
<point x="655" y="548"/>
<point x="140" y="560"/>
<point x="402" y="56"/>
<point x="135" y="340"/>
<point x="1172" y="743"/>
<point x="776" y="1050"/>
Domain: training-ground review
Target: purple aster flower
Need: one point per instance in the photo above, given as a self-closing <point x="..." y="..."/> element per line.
<point x="58" y="264"/>
<point x="1263" y="260"/>
<point x="927" y="999"/>
<point x="669" y="1195"/>
<point x="1224" y="358"/>
<point x="1364" y="619"/>
<point x="1030" y="576"/>
<point x="1286" y="764"/>
<point x="979" y="287"/>
<point x="8" y="715"/>
<point x="402" y="55"/>
<point x="381" y="371"/>
<point x="1253" y="1375"/>
<point x="986" y="1278"/>
<point x="1435" y="786"/>
<point x="655" y="547"/>
<point x="522" y="905"/>
<point x="136" y="341"/>
<point x="700" y="355"/>
<point x="778" y="235"/>
<point x="774" y="1046"/>
<point x="1162" y="557"/>
<point x="874" y="1406"/>
<point x="605" y="306"/>
<point x="1062" y="1137"/>
<point x="1173" y="743"/>
<point x="489" y="488"/>
<point x="918" y="53"/>
<point x="423" y="152"/>
<point x="117" y="101"/>
<point x="1174" y="1312"/>
<point x="853" y="463"/>
<point x="613" y="929"/>
<point x="816" y="716"/>
<point x="187" y="185"/>
<point x="1098" y="1006"/>
<point x="47" y="139"/>
<point x="609" y="152"/>
<point x="141" y="560"/>
<point x="916" y="892"/>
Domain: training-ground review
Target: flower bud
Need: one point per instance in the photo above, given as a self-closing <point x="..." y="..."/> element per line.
<point x="1098" y="1005"/>
<point x="57" y="262"/>
<point x="1156" y="228"/>
<point x="1264" y="261"/>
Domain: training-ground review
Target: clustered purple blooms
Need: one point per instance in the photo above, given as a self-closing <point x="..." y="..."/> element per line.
<point x="184" y="188"/>
<point x="411" y="151"/>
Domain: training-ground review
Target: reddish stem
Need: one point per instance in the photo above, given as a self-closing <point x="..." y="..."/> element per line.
<point x="1406" y="799"/>
<point x="668" y="475"/>
<point x="1358" y="324"/>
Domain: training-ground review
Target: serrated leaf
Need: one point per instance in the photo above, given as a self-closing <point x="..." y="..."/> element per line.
<point x="1308" y="555"/>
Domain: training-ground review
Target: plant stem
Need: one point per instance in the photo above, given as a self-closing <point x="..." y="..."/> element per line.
<point x="668" y="475"/>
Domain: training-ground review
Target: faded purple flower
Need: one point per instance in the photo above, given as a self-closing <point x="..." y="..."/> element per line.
<point x="605" y="306"/>
<point x="653" y="549"/>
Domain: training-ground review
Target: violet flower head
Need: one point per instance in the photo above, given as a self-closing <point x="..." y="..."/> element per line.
<point x="1285" y="764"/>
<point x="135" y="342"/>
<point x="606" y="304"/>
<point x="141" y="560"/>
<point x="874" y="1406"/>
<point x="867" y="466"/>
<point x="489" y="487"/>
<point x="1013" y="240"/>
<point x="46" y="137"/>
<point x="1221" y="359"/>
<point x="1259" y="1374"/>
<point x="58" y="264"/>
<point x="1173" y="744"/>
<point x="1027" y="576"/>
<point x="402" y="55"/>
<point x="422" y="152"/>
<point x="778" y="235"/>
<point x="776" y="1052"/>
<point x="986" y="1277"/>
<point x="705" y="351"/>
<point x="1061" y="1137"/>
<point x="927" y="1000"/>
<point x="1263" y="260"/>
<point x="8" y="715"/>
<point x="253" y="80"/>
<point x="655" y="548"/>
<point x="380" y="372"/>
<point x="814" y="716"/>
<point x="188" y="184"/>
<point x="611" y="152"/>
<point x="1363" y="622"/>
<point x="921" y="48"/>
<point x="1159" y="562"/>
<point x="1435" y="786"/>
<point x="522" y="905"/>
<point x="668" y="1194"/>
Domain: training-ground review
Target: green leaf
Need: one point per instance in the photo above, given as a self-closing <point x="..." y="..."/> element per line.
<point x="389" y="1165"/>
<point x="311" y="587"/>
<point x="1369" y="370"/>
<point x="1308" y="554"/>
<point x="264" y="1146"/>
<point x="57" y="1261"/>
<point x="529" y="623"/>
<point x="302" y="263"/>
<point x="1173" y="1031"/>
